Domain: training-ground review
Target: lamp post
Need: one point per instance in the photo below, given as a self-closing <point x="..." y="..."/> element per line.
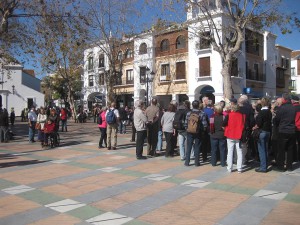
<point x="149" y="78"/>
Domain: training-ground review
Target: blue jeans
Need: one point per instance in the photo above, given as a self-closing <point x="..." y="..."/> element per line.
<point x="193" y="139"/>
<point x="181" y="140"/>
<point x="159" y="141"/>
<point x="122" y="127"/>
<point x="262" y="144"/>
<point x="32" y="131"/>
<point x="218" y="144"/>
<point x="63" y="125"/>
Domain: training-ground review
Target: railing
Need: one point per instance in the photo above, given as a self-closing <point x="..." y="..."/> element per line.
<point x="250" y="75"/>
<point x="165" y="77"/>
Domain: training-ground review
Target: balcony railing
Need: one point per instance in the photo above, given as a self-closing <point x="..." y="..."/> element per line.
<point x="165" y="77"/>
<point x="250" y="75"/>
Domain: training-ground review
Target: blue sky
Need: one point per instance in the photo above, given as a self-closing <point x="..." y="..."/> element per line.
<point x="292" y="40"/>
<point x="150" y="15"/>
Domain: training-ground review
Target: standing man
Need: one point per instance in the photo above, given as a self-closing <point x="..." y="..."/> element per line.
<point x="32" y="117"/>
<point x="247" y="110"/>
<point x="285" y="120"/>
<point x="112" y="118"/>
<point x="3" y="125"/>
<point x="152" y="114"/>
<point x="140" y="120"/>
<point x="194" y="135"/>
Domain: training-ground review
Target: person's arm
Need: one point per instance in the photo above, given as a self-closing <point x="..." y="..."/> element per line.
<point x="225" y="121"/>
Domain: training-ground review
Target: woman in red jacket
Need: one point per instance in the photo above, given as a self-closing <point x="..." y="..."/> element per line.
<point x="234" y="125"/>
<point x="102" y="127"/>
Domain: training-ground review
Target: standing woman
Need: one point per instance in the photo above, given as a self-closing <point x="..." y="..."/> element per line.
<point x="12" y="116"/>
<point x="63" y="117"/>
<point x="102" y="128"/>
<point x="217" y="138"/>
<point x="167" y="128"/>
<point x="41" y="119"/>
<point x="264" y="123"/>
<point x="234" y="124"/>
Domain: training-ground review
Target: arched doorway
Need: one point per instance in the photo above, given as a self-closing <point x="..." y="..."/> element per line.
<point x="95" y="98"/>
<point x="205" y="91"/>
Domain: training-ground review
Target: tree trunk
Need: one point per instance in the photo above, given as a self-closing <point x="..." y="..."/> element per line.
<point x="226" y="73"/>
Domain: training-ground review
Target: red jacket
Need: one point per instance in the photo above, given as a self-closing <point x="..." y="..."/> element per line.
<point x="63" y="114"/>
<point x="49" y="128"/>
<point x="235" y="125"/>
<point x="104" y="124"/>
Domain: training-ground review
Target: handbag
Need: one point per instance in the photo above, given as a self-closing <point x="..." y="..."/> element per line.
<point x="255" y="134"/>
<point x="37" y="126"/>
<point x="246" y="133"/>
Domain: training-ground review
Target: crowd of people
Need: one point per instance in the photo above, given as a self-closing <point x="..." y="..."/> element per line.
<point x="232" y="132"/>
<point x="236" y="132"/>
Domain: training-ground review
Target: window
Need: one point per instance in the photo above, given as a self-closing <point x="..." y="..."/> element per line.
<point x="164" y="45"/>
<point x="293" y="71"/>
<point x="91" y="80"/>
<point x="101" y="60"/>
<point x="120" y="55"/>
<point x="234" y="68"/>
<point x="143" y="71"/>
<point x="204" y="42"/>
<point x="180" y="42"/>
<point x="90" y="63"/>
<point x="143" y="49"/>
<point x="180" y="70"/>
<point x="129" y="54"/>
<point x="204" y="65"/>
<point x="165" y="72"/>
<point x="101" y="79"/>
<point x="287" y="63"/>
<point x="255" y="74"/>
<point x="129" y="76"/>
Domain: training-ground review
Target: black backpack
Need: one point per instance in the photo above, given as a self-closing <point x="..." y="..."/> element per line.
<point x="178" y="122"/>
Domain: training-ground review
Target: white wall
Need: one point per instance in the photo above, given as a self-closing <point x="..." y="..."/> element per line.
<point x="18" y="100"/>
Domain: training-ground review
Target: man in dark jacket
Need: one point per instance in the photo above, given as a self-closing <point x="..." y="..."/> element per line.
<point x="285" y="120"/>
<point x="247" y="110"/>
<point x="3" y="125"/>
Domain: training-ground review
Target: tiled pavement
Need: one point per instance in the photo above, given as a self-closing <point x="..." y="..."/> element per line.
<point x="79" y="184"/>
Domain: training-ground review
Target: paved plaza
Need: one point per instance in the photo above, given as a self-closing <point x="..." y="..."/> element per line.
<point x="77" y="183"/>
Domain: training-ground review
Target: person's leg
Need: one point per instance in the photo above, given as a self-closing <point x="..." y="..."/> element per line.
<point x="154" y="140"/>
<point x="282" y="147"/>
<point x="101" y="138"/>
<point x="222" y="149"/>
<point x="149" y="140"/>
<point x="168" y="137"/>
<point x="239" y="152"/>
<point x="133" y="132"/>
<point x="290" y="151"/>
<point x="114" y="135"/>
<point x="261" y="144"/>
<point x="159" y="141"/>
<point x="214" y="147"/>
<point x="297" y="146"/>
<point x="230" y="148"/>
<point x="109" y="132"/>
<point x="140" y="142"/>
<point x="197" y="149"/>
<point x="189" y="140"/>
<point x="181" y="140"/>
<point x="30" y="134"/>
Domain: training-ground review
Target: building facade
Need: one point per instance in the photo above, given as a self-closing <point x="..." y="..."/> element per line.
<point x="20" y="89"/>
<point x="186" y="67"/>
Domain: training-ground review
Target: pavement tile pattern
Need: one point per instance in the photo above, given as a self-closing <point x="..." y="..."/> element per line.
<point x="77" y="183"/>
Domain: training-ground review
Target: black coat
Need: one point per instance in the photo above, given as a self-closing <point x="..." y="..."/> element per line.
<point x="285" y="118"/>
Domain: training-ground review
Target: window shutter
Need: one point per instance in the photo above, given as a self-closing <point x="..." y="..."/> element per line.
<point x="180" y="70"/>
<point x="204" y="66"/>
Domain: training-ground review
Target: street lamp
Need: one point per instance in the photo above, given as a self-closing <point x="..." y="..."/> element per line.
<point x="149" y="78"/>
<point x="13" y="89"/>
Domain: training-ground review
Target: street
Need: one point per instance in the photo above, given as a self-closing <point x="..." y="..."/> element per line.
<point x="77" y="183"/>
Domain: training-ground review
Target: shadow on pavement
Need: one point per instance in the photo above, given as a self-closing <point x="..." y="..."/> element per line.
<point x="21" y="163"/>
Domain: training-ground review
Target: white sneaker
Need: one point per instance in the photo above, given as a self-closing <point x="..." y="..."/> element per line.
<point x="229" y="170"/>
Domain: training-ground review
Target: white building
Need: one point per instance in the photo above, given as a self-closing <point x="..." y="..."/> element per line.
<point x="254" y="71"/>
<point x="19" y="89"/>
<point x="295" y="72"/>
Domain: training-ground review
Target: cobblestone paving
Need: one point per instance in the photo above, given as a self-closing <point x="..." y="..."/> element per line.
<point x="77" y="183"/>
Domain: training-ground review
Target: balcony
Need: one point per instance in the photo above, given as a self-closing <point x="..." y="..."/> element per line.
<point x="292" y="85"/>
<point x="254" y="76"/>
